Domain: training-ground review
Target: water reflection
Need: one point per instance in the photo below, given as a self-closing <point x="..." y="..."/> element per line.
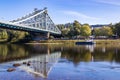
<point x="88" y="53"/>
<point x="73" y="53"/>
<point x="41" y="57"/>
<point x="44" y="57"/>
<point x="41" y="64"/>
<point x="10" y="52"/>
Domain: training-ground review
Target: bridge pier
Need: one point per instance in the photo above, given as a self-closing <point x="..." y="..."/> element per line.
<point x="48" y="35"/>
<point x="39" y="36"/>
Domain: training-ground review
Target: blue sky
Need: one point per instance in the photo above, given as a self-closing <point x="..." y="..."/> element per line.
<point x="64" y="11"/>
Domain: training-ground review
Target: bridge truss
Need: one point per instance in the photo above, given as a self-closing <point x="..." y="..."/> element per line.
<point x="38" y="21"/>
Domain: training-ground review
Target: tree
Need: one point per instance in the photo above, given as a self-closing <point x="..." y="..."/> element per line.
<point x="16" y="36"/>
<point x="71" y="32"/>
<point x="108" y="31"/>
<point x="77" y="27"/>
<point x="85" y="30"/>
<point x="117" y="29"/>
<point x="65" y="32"/>
<point x="104" y="31"/>
<point x="97" y="32"/>
<point x="113" y="29"/>
<point x="3" y="34"/>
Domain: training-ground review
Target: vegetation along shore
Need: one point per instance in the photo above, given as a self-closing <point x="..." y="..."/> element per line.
<point x="71" y="32"/>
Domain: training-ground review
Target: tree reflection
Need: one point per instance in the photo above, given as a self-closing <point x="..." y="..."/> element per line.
<point x="12" y="52"/>
<point x="3" y="52"/>
<point x="78" y="54"/>
<point x="73" y="53"/>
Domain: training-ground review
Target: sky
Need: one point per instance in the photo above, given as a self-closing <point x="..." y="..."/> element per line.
<point x="65" y="11"/>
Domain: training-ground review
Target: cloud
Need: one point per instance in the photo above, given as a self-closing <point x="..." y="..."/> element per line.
<point x="112" y="2"/>
<point x="78" y="14"/>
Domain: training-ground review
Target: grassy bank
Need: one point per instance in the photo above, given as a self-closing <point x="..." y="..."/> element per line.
<point x="73" y="41"/>
<point x="114" y="42"/>
<point x="55" y="41"/>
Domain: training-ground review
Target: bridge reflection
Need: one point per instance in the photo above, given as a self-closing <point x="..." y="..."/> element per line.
<point x="41" y="65"/>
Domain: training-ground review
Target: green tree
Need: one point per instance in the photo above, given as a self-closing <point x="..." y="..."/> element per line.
<point x="117" y="29"/>
<point x="97" y="32"/>
<point x="3" y="34"/>
<point x="16" y="36"/>
<point x="112" y="28"/>
<point x="77" y="28"/>
<point x="85" y="30"/>
<point x="108" y="30"/>
<point x="104" y="31"/>
<point x="65" y="32"/>
<point x="71" y="32"/>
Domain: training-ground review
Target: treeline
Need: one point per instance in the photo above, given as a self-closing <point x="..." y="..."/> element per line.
<point x="78" y="30"/>
<point x="75" y="29"/>
<point x="13" y="36"/>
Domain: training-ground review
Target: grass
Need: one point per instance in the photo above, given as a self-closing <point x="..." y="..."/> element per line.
<point x="108" y="41"/>
<point x="98" y="41"/>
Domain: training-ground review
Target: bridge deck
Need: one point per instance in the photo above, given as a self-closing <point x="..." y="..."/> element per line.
<point x="10" y="25"/>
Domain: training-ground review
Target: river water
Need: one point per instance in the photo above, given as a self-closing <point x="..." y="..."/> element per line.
<point x="60" y="62"/>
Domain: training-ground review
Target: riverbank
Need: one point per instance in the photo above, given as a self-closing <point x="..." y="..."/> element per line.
<point x="116" y="41"/>
<point x="108" y="41"/>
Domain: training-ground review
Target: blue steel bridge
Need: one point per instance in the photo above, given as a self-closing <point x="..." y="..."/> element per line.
<point x="37" y="22"/>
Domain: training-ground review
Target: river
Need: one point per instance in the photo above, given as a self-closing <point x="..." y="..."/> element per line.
<point x="60" y="62"/>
